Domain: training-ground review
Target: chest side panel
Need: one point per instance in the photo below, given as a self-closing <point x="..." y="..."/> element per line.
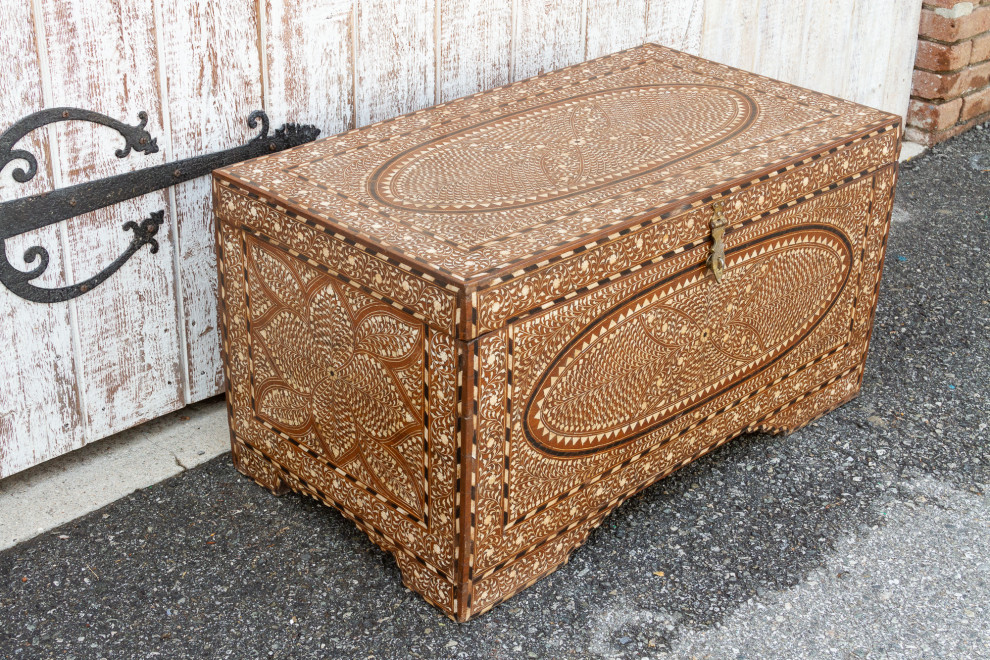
<point x="352" y="397"/>
<point x="597" y="395"/>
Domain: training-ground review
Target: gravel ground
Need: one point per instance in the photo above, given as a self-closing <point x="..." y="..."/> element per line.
<point x="864" y="535"/>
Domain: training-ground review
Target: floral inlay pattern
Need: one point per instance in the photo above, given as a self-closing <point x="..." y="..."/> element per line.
<point x="342" y="368"/>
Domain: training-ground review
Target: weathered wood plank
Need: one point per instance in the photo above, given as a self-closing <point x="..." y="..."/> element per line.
<point x="676" y="24"/>
<point x="615" y="25"/>
<point x="900" y="58"/>
<point x="475" y="49"/>
<point x="395" y="60"/>
<point x="826" y="49"/>
<point x="780" y="24"/>
<point x="39" y="403"/>
<point x="209" y="55"/>
<point x="547" y="35"/>
<point x="102" y="56"/>
<point x="309" y="48"/>
<point x="847" y="48"/>
<point x="870" y="23"/>
<point x="882" y="68"/>
<point x="729" y="33"/>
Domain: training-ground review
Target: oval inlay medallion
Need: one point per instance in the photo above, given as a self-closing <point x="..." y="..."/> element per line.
<point x="686" y="340"/>
<point x="562" y="148"/>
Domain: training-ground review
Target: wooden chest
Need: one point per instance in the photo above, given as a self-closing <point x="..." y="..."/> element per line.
<point x="478" y="328"/>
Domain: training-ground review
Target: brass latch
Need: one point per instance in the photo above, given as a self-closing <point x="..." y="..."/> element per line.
<point x="716" y="258"/>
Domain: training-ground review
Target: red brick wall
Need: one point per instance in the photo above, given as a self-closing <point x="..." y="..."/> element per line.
<point x="951" y="90"/>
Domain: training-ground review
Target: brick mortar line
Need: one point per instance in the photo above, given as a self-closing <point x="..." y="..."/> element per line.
<point x="949" y="72"/>
<point x="939" y="102"/>
<point x="941" y="42"/>
<point x="969" y="123"/>
<point x="977" y="4"/>
<point x="962" y="95"/>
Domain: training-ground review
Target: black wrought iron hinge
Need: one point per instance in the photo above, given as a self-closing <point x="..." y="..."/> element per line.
<point x="29" y="213"/>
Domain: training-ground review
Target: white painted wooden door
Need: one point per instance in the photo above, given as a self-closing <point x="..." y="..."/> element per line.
<point x="145" y="342"/>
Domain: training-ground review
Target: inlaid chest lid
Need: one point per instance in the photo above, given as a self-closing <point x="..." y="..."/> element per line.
<point x="485" y="185"/>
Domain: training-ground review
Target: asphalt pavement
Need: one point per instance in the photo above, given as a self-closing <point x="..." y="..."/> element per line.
<point x="864" y="535"/>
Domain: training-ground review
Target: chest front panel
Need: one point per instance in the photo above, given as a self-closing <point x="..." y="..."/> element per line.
<point x="585" y="402"/>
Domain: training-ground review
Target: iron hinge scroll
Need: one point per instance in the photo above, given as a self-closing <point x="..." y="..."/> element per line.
<point x="27" y="214"/>
<point x="716" y="255"/>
